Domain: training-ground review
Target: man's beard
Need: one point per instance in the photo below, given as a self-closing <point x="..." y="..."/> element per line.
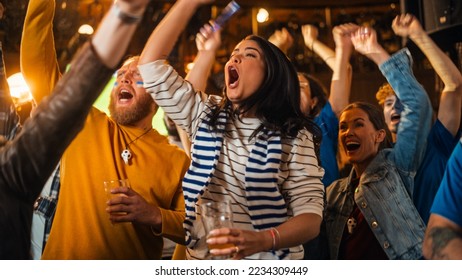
<point x="134" y="113"/>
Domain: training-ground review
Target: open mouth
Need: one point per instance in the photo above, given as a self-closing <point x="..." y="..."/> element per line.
<point x="395" y="118"/>
<point x="124" y="95"/>
<point x="352" y="146"/>
<point x="233" y="76"/>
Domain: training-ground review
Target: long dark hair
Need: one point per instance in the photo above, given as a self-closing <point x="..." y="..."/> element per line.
<point x="277" y="101"/>
<point x="377" y="119"/>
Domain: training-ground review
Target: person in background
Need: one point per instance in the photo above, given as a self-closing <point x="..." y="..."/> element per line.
<point x="28" y="160"/>
<point x="445" y="132"/>
<point x="371" y="211"/>
<point x="262" y="158"/>
<point x="326" y="112"/>
<point x="443" y="237"/>
<point x="316" y="103"/>
<point x="127" y="147"/>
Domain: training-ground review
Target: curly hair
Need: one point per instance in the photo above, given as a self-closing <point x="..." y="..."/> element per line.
<point x="384" y="91"/>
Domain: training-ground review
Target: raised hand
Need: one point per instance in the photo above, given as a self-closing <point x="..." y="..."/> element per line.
<point x="208" y="39"/>
<point x="282" y="39"/>
<point x="406" y="25"/>
<point x="342" y="36"/>
<point x="365" y="42"/>
<point x="310" y="34"/>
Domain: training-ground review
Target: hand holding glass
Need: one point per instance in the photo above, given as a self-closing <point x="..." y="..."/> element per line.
<point x="217" y="215"/>
<point x="111" y="184"/>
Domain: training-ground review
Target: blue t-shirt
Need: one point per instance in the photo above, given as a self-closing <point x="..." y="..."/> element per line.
<point x="448" y="200"/>
<point x="440" y="144"/>
<point x="328" y="122"/>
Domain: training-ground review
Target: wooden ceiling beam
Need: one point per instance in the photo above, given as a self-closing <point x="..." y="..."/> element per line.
<point x="301" y="3"/>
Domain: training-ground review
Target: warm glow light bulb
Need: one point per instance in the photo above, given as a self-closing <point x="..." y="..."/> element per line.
<point x="262" y="15"/>
<point x="19" y="88"/>
<point x="86" y="29"/>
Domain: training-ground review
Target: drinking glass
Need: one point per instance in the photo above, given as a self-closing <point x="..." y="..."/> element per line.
<point x="215" y="215"/>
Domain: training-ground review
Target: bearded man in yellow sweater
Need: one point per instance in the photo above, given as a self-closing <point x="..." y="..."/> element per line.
<point x="123" y="146"/>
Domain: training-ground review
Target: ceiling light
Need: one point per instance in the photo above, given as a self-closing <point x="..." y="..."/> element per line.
<point x="262" y="15"/>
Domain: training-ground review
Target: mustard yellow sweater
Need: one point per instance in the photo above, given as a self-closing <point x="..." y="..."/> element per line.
<point x="81" y="227"/>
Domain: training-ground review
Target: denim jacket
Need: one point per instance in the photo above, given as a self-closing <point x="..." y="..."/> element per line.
<point x="384" y="192"/>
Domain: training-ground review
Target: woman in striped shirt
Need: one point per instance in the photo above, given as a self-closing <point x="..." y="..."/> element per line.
<point x="252" y="147"/>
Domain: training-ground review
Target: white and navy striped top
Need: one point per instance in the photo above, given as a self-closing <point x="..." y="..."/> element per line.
<point x="267" y="179"/>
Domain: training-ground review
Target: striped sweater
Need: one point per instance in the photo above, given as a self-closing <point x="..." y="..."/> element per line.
<point x="267" y="179"/>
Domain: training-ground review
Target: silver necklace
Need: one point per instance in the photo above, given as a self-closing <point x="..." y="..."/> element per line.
<point x="127" y="154"/>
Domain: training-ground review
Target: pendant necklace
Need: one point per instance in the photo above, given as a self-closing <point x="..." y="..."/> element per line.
<point x="127" y="154"/>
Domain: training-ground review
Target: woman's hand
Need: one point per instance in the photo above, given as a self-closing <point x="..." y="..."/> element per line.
<point x="245" y="242"/>
<point x="310" y="34"/>
<point x="208" y="39"/>
<point x="407" y="25"/>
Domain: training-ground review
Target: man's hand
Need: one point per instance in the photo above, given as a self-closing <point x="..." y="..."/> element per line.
<point x="135" y="208"/>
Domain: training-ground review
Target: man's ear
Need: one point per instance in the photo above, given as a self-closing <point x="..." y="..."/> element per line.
<point x="314" y="103"/>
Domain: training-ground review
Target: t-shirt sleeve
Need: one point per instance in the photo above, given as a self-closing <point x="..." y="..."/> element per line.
<point x="447" y="202"/>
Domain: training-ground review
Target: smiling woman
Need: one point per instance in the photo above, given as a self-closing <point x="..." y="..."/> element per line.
<point x="369" y="212"/>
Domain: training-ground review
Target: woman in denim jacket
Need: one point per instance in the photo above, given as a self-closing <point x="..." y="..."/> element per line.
<point x="370" y="214"/>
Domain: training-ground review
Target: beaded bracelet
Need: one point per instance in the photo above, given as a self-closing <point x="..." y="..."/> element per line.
<point x="125" y="17"/>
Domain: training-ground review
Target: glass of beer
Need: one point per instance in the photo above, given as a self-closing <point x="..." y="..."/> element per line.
<point x="111" y="184"/>
<point x="215" y="215"/>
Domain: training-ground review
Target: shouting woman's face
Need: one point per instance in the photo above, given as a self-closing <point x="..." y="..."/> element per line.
<point x="244" y="72"/>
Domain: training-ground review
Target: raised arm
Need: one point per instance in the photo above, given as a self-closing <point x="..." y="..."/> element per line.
<point x="340" y="88"/>
<point x="165" y="35"/>
<point x="449" y="112"/>
<point x="39" y="64"/>
<point x="416" y="116"/>
<point x="310" y="37"/>
<point x="58" y="119"/>
<point x="207" y="42"/>
<point x="178" y="99"/>
<point x="282" y="39"/>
